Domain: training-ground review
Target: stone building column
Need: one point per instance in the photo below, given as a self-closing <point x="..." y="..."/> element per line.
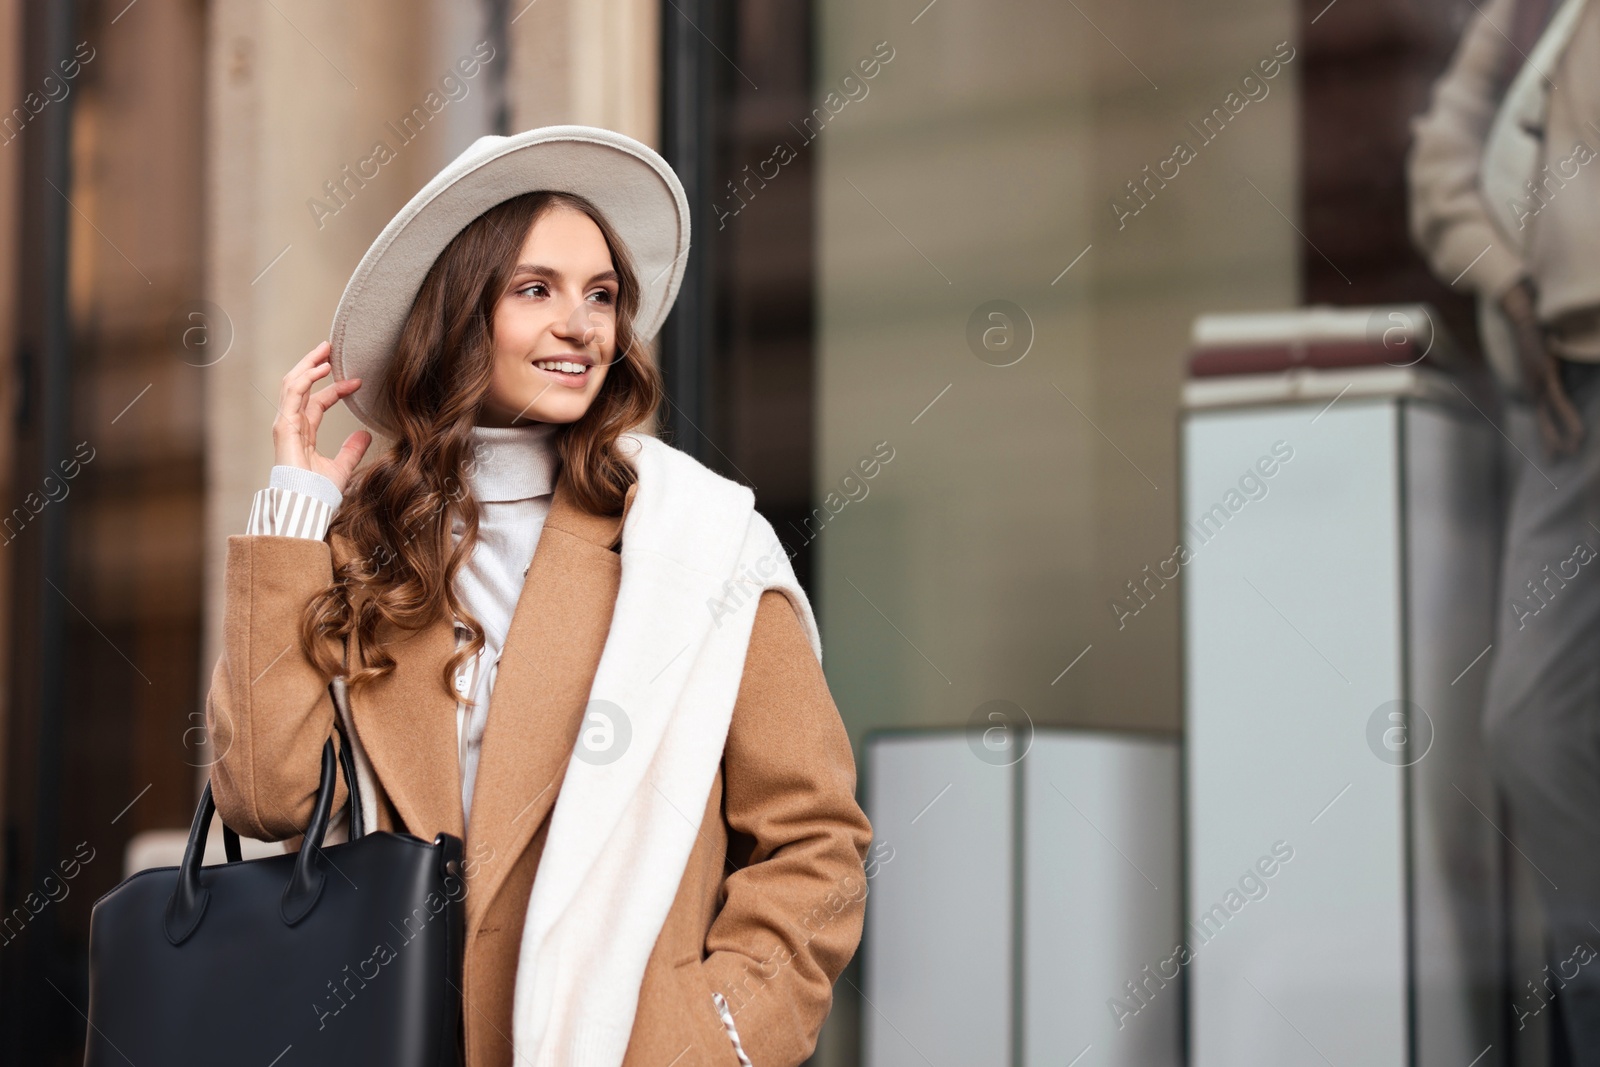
<point x="592" y="62"/>
<point x="322" y="120"/>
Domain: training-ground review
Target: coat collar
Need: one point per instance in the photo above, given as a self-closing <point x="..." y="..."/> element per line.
<point x="407" y="721"/>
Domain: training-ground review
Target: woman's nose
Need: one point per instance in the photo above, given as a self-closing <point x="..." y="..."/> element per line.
<point x="582" y="325"/>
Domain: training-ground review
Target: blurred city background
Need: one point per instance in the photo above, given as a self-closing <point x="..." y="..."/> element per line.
<point x="936" y="234"/>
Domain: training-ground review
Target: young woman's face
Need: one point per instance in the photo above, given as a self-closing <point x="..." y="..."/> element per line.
<point x="555" y="327"/>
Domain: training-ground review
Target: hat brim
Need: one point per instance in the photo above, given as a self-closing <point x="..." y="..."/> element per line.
<point x="632" y="186"/>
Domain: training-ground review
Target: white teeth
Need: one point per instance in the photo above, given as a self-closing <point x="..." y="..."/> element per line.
<point x="564" y="366"/>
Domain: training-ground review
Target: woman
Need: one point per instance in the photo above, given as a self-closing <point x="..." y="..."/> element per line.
<point x="640" y="717"/>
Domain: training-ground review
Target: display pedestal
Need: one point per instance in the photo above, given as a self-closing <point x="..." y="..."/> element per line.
<point x="1338" y="602"/>
<point x="1012" y="903"/>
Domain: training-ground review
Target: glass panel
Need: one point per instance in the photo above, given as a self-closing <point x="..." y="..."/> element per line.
<point x="1006" y="283"/>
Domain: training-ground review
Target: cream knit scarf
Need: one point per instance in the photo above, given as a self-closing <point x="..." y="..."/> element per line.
<point x="695" y="559"/>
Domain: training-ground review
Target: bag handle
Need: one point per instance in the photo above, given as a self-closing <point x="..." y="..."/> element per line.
<point x="347" y="761"/>
<point x="189" y="897"/>
<point x="342" y="715"/>
<point x="306" y="882"/>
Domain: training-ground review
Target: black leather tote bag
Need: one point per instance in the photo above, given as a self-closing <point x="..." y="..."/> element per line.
<point x="345" y="954"/>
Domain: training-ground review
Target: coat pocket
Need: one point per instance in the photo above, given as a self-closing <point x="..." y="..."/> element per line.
<point x="714" y="1045"/>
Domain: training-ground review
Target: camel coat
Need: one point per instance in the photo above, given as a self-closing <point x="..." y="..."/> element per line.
<point x="770" y="907"/>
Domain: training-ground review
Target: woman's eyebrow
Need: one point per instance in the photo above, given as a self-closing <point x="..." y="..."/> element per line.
<point x="541" y="271"/>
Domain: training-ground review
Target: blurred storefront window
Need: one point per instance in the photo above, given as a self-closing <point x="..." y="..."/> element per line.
<point x="1012" y="245"/>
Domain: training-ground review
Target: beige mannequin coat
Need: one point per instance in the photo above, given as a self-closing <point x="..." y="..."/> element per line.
<point x="770" y="907"/>
<point x="1489" y="211"/>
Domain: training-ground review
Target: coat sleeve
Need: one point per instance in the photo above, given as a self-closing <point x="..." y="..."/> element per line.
<point x="791" y="917"/>
<point x="269" y="710"/>
<point x="1450" y="221"/>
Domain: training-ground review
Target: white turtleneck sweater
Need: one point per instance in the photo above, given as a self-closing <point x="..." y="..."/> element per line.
<point x="512" y="475"/>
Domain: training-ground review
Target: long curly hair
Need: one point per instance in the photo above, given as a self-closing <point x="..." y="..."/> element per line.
<point x="396" y="516"/>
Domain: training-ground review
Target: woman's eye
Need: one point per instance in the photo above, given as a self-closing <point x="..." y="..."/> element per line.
<point x="532" y="286"/>
<point x="602" y="295"/>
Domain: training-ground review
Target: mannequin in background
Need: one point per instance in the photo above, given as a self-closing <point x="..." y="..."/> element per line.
<point x="1505" y="202"/>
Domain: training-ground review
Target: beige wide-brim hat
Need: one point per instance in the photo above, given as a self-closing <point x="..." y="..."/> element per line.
<point x="634" y="188"/>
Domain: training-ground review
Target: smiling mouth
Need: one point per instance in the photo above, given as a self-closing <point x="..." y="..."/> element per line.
<point x="565" y="371"/>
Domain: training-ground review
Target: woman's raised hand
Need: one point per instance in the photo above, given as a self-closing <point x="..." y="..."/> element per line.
<point x="300" y="411"/>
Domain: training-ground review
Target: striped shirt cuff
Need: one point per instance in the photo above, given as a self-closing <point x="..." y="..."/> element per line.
<point x="286" y="513"/>
<point x="727" y="1024"/>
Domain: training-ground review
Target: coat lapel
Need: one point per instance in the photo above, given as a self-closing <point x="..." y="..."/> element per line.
<point x="541" y="688"/>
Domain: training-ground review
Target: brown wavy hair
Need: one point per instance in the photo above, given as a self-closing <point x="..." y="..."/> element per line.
<point x="399" y="574"/>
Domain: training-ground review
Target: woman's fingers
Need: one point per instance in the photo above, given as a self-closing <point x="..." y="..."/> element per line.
<point x="323" y="399"/>
<point x="294" y="430"/>
<point x="298" y="386"/>
<point x="318" y="356"/>
<point x="355" y="446"/>
<point x="297" y="383"/>
<point x="337" y="391"/>
<point x="319" y="353"/>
